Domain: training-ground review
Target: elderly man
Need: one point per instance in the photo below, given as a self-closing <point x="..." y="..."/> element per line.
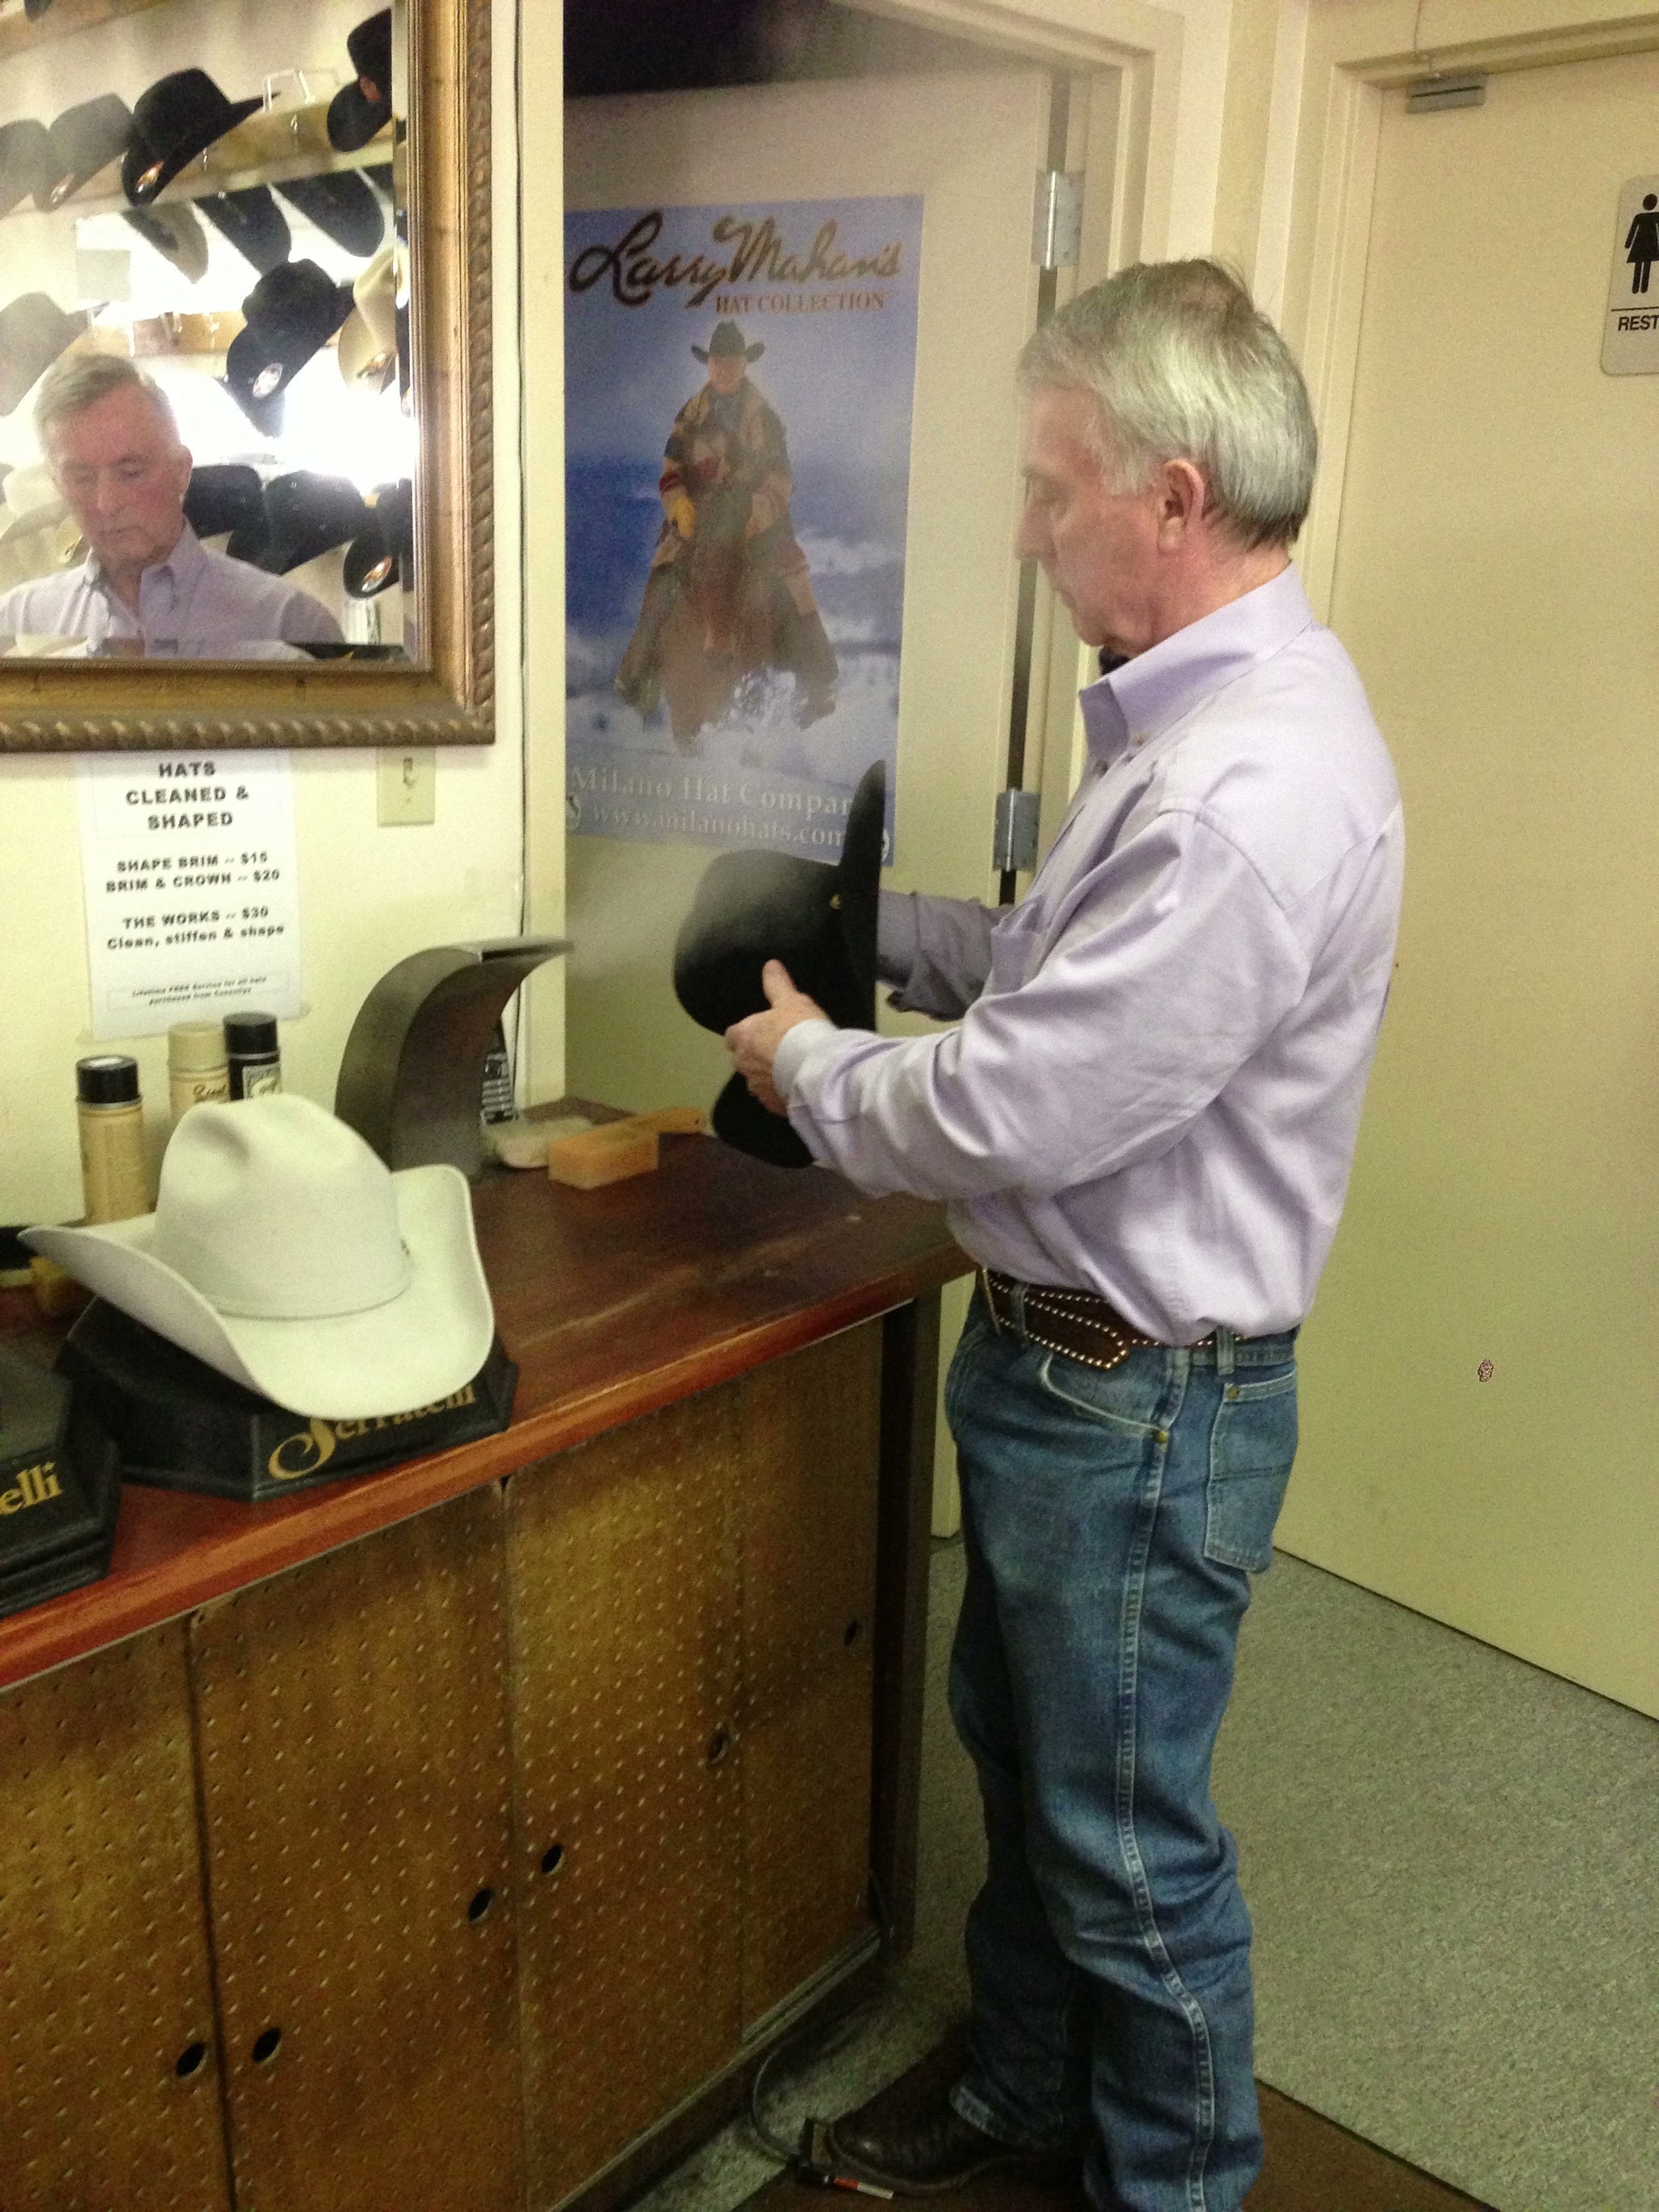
<point x="1143" y="1127"/>
<point x="148" y="585"/>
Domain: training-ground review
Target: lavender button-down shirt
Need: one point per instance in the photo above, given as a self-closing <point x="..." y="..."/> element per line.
<point x="1155" y="1088"/>
<point x="197" y="605"/>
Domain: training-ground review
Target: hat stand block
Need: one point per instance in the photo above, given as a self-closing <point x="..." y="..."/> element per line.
<point x="411" y="1076"/>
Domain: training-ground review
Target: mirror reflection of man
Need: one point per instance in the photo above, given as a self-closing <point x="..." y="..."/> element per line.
<point x="727" y="477"/>
<point x="148" y="585"/>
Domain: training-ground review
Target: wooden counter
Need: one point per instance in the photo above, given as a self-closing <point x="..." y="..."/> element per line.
<point x="463" y="1835"/>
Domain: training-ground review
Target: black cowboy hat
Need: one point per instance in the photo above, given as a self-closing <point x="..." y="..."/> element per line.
<point x="223" y="495"/>
<point x="818" y="919"/>
<point x="25" y="162"/>
<point x="292" y="313"/>
<point x="176" y="235"/>
<point x="726" y="343"/>
<point x="306" y="514"/>
<point x="84" y="139"/>
<point x="358" y="111"/>
<point x="33" y="331"/>
<point x="342" y="207"/>
<point x="179" y="117"/>
<point x="382" y="552"/>
<point x="253" y="223"/>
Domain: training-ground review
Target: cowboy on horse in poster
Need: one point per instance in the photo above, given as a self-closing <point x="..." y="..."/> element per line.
<point x="729" y="593"/>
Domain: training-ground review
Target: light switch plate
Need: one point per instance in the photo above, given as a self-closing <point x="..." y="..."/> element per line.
<point x="407" y="785"/>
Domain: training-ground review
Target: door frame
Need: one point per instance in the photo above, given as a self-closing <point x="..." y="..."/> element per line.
<point x="1356" y="51"/>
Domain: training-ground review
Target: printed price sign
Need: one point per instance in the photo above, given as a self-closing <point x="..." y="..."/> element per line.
<point x="192" y="897"/>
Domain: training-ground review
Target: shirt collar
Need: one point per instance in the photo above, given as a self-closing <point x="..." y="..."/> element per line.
<point x="186" y="561"/>
<point x="1152" y="692"/>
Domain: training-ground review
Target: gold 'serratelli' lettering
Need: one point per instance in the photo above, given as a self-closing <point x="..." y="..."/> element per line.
<point x="33" y="1486"/>
<point x="308" y="1447"/>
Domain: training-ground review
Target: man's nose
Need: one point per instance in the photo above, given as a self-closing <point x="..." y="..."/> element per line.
<point x="1030" y="534"/>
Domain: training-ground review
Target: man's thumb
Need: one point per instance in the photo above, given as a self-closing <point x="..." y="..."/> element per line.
<point x="776" y="982"/>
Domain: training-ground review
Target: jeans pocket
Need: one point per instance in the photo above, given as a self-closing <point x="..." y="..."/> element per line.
<point x="1124" y="1398"/>
<point x="1251" y="1449"/>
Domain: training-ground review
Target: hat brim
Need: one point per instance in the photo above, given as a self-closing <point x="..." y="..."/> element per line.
<point x="740" y="1119"/>
<point x="354" y="118"/>
<point x="140" y="158"/>
<point x="819" y="919"/>
<point x="430" y="1340"/>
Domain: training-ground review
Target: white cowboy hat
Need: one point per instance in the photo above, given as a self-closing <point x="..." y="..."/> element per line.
<point x="284" y="1253"/>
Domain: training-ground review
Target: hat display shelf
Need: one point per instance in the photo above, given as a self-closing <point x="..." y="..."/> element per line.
<point x="225" y="183"/>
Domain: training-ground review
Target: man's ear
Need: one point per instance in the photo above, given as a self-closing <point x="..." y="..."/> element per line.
<point x="1183" y="498"/>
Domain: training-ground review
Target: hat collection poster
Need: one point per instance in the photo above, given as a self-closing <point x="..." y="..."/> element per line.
<point x="738" y="388"/>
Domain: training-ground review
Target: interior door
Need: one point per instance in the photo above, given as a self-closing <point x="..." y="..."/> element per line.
<point x="1480" y="1364"/>
<point x="970" y="143"/>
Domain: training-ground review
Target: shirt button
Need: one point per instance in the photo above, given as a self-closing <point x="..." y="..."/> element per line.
<point x="1137" y="737"/>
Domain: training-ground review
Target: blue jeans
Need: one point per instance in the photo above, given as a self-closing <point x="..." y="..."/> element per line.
<point x="1112" y="1520"/>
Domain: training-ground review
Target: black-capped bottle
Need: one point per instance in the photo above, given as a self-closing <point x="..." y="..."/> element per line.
<point x="115" y="1174"/>
<point x="251" y="1054"/>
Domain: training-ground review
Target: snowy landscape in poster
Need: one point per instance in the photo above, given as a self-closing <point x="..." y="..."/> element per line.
<point x="762" y="678"/>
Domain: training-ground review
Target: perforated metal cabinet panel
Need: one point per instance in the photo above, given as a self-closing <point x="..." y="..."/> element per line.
<point x="109" y="2077"/>
<point x="352" y="1726"/>
<point x="811" y="1429"/>
<point x="624" y="1559"/>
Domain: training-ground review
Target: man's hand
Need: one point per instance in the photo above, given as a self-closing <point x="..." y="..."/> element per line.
<point x="753" y="1041"/>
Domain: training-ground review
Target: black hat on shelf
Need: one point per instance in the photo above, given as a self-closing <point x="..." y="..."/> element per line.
<point x="223" y="495"/>
<point x="342" y="206"/>
<point x="257" y="383"/>
<point x="84" y="139"/>
<point x="253" y="223"/>
<point x="176" y="235"/>
<point x="379" y="174"/>
<point x="179" y="116"/>
<point x="292" y="312"/>
<point x="33" y="331"/>
<point x="25" y="162"/>
<point x="358" y="111"/>
<point x="818" y="919"/>
<point x="383" y="552"/>
<point x="307" y="514"/>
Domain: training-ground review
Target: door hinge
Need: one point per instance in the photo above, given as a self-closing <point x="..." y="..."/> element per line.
<point x="1014" y="839"/>
<point x="1057" y="226"/>
<point x="1427" y="95"/>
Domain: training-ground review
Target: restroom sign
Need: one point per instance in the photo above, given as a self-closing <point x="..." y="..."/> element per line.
<point x="1630" y="340"/>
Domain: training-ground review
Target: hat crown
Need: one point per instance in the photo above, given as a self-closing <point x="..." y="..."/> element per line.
<point x="727" y="341"/>
<point x="271" y="1208"/>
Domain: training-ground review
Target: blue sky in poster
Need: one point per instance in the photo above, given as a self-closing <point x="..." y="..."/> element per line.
<point x="841" y="376"/>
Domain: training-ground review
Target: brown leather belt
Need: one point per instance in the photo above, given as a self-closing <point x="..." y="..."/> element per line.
<point x="1076" y="1322"/>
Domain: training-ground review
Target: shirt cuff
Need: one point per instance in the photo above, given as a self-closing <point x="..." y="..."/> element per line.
<point x="796" y="1044"/>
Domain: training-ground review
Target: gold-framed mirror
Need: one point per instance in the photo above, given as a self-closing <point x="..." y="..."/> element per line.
<point x="244" y="374"/>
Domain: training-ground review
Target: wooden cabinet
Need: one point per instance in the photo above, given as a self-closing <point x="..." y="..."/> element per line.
<point x="463" y="1835"/>
<point x="109" y="2074"/>
<point x="351" y="1731"/>
<point x="520" y="1822"/>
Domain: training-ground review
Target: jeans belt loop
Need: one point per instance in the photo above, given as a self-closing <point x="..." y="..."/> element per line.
<point x="1224" y="1341"/>
<point x="1016" y="1300"/>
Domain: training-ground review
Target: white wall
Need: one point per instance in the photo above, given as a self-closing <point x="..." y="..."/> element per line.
<point x="368" y="895"/>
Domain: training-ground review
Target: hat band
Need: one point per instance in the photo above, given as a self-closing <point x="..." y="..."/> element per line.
<point x="246" y="1308"/>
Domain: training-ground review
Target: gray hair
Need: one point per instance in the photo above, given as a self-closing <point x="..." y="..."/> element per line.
<point x="1182" y="366"/>
<point x="78" y="380"/>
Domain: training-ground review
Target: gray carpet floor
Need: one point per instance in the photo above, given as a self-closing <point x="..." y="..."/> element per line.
<point x="1452" y="1860"/>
